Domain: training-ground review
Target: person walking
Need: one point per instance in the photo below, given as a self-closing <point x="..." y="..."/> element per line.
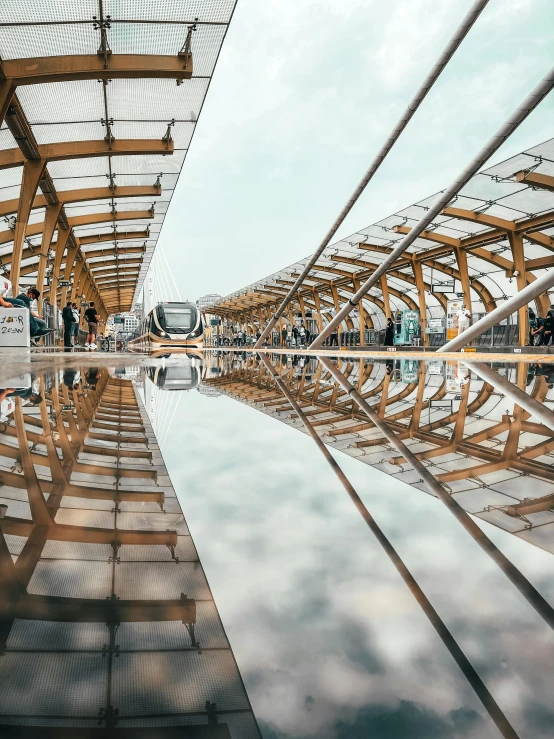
<point x="334" y="338"/>
<point x="75" y="326"/>
<point x="295" y="335"/>
<point x="284" y="336"/>
<point x="68" y="320"/>
<point x="92" y="318"/>
<point x="389" y="332"/>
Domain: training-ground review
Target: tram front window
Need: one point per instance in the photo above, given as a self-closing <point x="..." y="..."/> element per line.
<point x="183" y="318"/>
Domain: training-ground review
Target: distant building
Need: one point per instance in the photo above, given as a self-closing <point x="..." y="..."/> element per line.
<point x="206" y="300"/>
<point x="212" y="392"/>
<point x="131" y="322"/>
<point x="210" y="329"/>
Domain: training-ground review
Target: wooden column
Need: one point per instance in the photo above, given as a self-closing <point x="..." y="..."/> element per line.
<point x="336" y="302"/>
<point x="516" y="244"/>
<point x="386" y="298"/>
<point x="32" y="173"/>
<point x="461" y="258"/>
<point x="61" y="243"/>
<point x="318" y="318"/>
<point x="7" y="90"/>
<point x="361" y="312"/>
<point x="50" y="222"/>
<point x="418" y="274"/>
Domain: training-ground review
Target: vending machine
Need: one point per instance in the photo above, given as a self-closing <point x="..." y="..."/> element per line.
<point x="406" y="326"/>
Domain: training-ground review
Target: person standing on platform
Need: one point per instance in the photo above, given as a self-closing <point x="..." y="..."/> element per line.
<point x="68" y="320"/>
<point x="463" y="319"/>
<point x="537" y="332"/>
<point x="548" y="327"/>
<point x="389" y="332"/>
<point x="284" y="336"/>
<point x="75" y="326"/>
<point x="92" y="319"/>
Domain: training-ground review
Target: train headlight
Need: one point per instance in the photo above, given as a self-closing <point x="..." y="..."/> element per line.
<point x="163" y="333"/>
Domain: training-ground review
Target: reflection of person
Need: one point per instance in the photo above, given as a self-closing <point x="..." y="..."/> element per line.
<point x="92" y="377"/>
<point x="463" y="319"/>
<point x="462" y="375"/>
<point x="389" y="333"/>
<point x="25" y="393"/>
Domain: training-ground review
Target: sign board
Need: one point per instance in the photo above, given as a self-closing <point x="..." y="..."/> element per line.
<point x="443" y="287"/>
<point x="443" y="404"/>
<point x="435" y="325"/>
<point x="14" y="327"/>
<point x="435" y="368"/>
<point x="215" y="322"/>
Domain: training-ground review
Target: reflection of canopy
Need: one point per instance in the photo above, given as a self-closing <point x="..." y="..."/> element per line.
<point x="480" y="445"/>
<point x="85" y="160"/>
<point x="99" y="570"/>
<point x="496" y="237"/>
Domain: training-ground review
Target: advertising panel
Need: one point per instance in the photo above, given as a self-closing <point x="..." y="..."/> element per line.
<point x="452" y="308"/>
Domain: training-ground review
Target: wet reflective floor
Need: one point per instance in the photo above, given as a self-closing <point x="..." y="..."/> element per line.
<point x="182" y="556"/>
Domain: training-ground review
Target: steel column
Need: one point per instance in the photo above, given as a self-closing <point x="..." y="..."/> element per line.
<point x="461" y="32"/>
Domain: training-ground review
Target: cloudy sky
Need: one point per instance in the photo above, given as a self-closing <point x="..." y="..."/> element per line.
<point x="305" y="93"/>
<point x="330" y="642"/>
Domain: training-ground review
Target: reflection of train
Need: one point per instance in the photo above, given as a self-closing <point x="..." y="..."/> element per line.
<point x="170" y="326"/>
<point x="183" y="376"/>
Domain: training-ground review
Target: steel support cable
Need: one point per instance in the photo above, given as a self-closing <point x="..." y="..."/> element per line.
<point x="503" y="133"/>
<point x="177" y="291"/>
<point x="165" y="288"/>
<point x="461" y="32"/>
<point x="520" y="299"/>
<point x="531" y="594"/>
<point x="481" y="690"/>
<point x="168" y="424"/>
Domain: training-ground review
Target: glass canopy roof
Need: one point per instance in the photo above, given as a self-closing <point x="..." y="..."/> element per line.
<point x="120" y="109"/>
<point x="516" y="195"/>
